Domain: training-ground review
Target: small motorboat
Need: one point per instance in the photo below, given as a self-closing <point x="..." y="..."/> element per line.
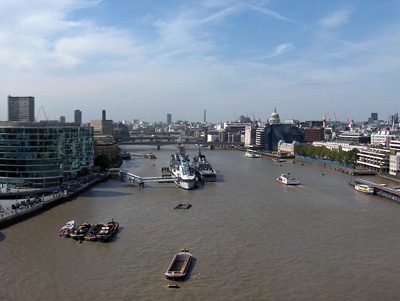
<point x="107" y="231"/>
<point x="92" y="234"/>
<point x="66" y="230"/>
<point x="81" y="231"/>
<point x="179" y="265"/>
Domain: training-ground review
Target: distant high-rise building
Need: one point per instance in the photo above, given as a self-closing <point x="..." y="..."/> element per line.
<point x="103" y="115"/>
<point x="21" y="108"/>
<point x="61" y="119"/>
<point x="78" y="116"/>
<point x="169" y="118"/>
<point x="205" y="116"/>
<point x="374" y="116"/>
<point x="102" y="127"/>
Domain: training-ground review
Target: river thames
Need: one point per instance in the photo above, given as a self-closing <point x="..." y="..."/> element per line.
<point x="252" y="238"/>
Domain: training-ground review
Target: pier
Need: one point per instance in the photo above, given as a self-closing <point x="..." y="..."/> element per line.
<point x="130" y="177"/>
<point x="380" y="189"/>
<point x="354" y="171"/>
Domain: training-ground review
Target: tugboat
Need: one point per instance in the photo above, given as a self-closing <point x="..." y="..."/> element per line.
<point x="107" y="231"/>
<point x="66" y="230"/>
<point x="180" y="168"/>
<point x="81" y="231"/>
<point x="179" y="265"/>
<point x="203" y="168"/>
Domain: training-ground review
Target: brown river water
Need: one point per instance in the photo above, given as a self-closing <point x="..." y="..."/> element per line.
<point x="252" y="238"/>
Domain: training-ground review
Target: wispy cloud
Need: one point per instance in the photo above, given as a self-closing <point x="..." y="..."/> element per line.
<point x="271" y="13"/>
<point x="336" y="19"/>
<point x="281" y="49"/>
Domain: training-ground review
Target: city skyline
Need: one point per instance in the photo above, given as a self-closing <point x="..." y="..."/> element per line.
<point x="145" y="59"/>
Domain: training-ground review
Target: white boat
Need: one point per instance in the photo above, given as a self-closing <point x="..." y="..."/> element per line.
<point x="182" y="171"/>
<point x="66" y="230"/>
<point x="252" y="155"/>
<point x="288" y="180"/>
<point x="364" y="188"/>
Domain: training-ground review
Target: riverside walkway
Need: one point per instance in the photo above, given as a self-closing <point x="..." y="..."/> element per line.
<point x="13" y="210"/>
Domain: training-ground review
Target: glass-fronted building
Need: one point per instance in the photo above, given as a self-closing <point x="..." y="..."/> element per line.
<point x="39" y="155"/>
<point x="285" y="132"/>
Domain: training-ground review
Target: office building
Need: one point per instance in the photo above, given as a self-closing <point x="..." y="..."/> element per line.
<point x="61" y="119"/>
<point x="169" y="119"/>
<point x="21" y="108"/>
<point x="377" y="160"/>
<point x="314" y="134"/>
<point x="40" y="155"/>
<point x="78" y="117"/>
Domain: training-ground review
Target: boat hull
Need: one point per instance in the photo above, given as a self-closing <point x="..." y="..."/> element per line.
<point x="288" y="180"/>
<point x="364" y="189"/>
<point x="81" y="231"/>
<point x="108" y="232"/>
<point x="67" y="230"/>
<point x="208" y="176"/>
<point x="185" y="183"/>
<point x="179" y="266"/>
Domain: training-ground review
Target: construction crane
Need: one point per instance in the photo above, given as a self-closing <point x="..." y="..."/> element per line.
<point x="41" y="108"/>
<point x="334" y="113"/>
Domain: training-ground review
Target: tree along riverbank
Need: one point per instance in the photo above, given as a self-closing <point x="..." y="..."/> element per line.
<point x="324" y="153"/>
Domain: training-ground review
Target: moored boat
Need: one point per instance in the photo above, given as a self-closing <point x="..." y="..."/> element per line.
<point x="107" y="231"/>
<point x="182" y="171"/>
<point x="203" y="168"/>
<point x="92" y="234"/>
<point x="364" y="188"/>
<point x="288" y="180"/>
<point x="81" y="231"/>
<point x="66" y="230"/>
<point x="252" y="155"/>
<point x="179" y="265"/>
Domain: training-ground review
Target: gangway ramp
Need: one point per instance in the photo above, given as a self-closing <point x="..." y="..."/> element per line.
<point x="141" y="180"/>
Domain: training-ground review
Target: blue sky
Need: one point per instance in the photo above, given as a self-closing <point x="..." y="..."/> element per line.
<point x="143" y="59"/>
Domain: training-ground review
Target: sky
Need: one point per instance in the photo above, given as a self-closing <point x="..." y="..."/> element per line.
<point x="143" y="59"/>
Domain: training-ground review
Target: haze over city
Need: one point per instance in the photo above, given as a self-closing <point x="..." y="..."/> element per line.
<point x="144" y="59"/>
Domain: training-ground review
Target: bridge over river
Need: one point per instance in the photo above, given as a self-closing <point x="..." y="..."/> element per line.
<point x="163" y="141"/>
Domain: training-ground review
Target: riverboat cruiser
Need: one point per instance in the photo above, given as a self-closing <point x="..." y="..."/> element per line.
<point x="364" y="188"/>
<point x="179" y="265"/>
<point x="66" y="230"/>
<point x="107" y="231"/>
<point x="288" y="180"/>
<point x="252" y="155"/>
<point x="181" y="170"/>
<point x="81" y="231"/>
